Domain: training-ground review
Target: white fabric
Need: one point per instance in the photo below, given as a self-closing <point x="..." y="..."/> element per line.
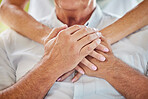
<point x="19" y="54"/>
<point x="120" y="7"/>
<point x="41" y="8"/>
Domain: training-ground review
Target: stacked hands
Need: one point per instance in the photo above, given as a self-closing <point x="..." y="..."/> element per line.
<point x="72" y="48"/>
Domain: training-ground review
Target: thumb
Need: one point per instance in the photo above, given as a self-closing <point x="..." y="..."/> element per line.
<point x="55" y="31"/>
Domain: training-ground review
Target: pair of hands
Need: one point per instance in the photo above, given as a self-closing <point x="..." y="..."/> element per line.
<point x="104" y="69"/>
<point x="68" y="47"/>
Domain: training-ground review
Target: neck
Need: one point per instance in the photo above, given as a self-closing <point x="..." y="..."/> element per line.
<point x="78" y="16"/>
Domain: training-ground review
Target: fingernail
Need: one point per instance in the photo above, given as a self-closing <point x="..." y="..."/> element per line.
<point x="106" y="49"/>
<point x="99" y="34"/>
<point x="98" y="41"/>
<point x="102" y="58"/>
<point x="82" y="72"/>
<point x="94" y="67"/>
<point x="73" y="80"/>
<point x="59" y="79"/>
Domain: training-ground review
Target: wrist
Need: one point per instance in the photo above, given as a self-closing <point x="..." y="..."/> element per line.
<point x="112" y="69"/>
<point x="45" y="32"/>
<point x="51" y="66"/>
<point x="115" y="70"/>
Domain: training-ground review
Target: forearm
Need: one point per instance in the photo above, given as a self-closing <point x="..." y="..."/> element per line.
<point x="35" y="84"/>
<point x="22" y="22"/>
<point x="126" y="80"/>
<point x="129" y="82"/>
<point x="132" y="21"/>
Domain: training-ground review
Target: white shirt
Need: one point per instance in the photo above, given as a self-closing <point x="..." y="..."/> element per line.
<point x="19" y="54"/>
<point x="41" y="8"/>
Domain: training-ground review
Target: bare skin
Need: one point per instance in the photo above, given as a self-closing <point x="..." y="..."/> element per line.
<point x="51" y="65"/>
<point x="21" y="21"/>
<point x="134" y="20"/>
<point x="132" y="84"/>
<point x="131" y="22"/>
<point x="111" y="80"/>
<point x="24" y="24"/>
<point x="42" y="30"/>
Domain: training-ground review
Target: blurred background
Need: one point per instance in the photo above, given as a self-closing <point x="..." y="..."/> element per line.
<point x="106" y="5"/>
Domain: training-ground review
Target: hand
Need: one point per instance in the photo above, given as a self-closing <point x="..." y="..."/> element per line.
<point x="70" y="47"/>
<point x="87" y="63"/>
<point x="103" y="67"/>
<point x="96" y="55"/>
<point x="52" y="36"/>
<point x="75" y="78"/>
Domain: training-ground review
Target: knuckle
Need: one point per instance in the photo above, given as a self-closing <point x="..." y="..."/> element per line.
<point x="84" y="61"/>
<point x="90" y="29"/>
<point x="89" y="37"/>
<point x="96" y="43"/>
<point x="89" y="48"/>
<point x="64" y="32"/>
<point x="91" y="54"/>
<point x="84" y="30"/>
<point x="61" y="33"/>
<point x="76" y="26"/>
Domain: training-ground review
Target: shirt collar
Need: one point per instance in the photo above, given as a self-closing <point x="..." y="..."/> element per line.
<point x="52" y="21"/>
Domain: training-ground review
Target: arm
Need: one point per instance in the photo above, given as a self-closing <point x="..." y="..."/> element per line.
<point x="132" y="84"/>
<point x="126" y="80"/>
<point x="37" y="82"/>
<point x="12" y="13"/>
<point x="132" y="21"/>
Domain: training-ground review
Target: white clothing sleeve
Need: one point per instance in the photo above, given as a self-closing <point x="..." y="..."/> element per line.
<point x="7" y="73"/>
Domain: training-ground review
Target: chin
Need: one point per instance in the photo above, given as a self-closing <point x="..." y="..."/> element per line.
<point x="69" y="4"/>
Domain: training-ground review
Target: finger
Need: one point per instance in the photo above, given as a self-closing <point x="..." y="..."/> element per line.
<point x="89" y="48"/>
<point x="102" y="48"/>
<point x="51" y="43"/>
<point x="98" y="56"/>
<point x="54" y="33"/>
<point x="79" y="69"/>
<point x="76" y="77"/>
<point x="105" y="43"/>
<point x="83" y="32"/>
<point x="105" y="54"/>
<point x="88" y="64"/>
<point x="87" y="39"/>
<point x="72" y="29"/>
<point x="85" y="68"/>
<point x="63" y="77"/>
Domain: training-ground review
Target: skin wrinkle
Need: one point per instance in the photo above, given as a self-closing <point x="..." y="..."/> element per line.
<point x="113" y="81"/>
<point x="72" y="16"/>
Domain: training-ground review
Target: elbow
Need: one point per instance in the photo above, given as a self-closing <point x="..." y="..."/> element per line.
<point x="6" y="9"/>
<point x="3" y="8"/>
